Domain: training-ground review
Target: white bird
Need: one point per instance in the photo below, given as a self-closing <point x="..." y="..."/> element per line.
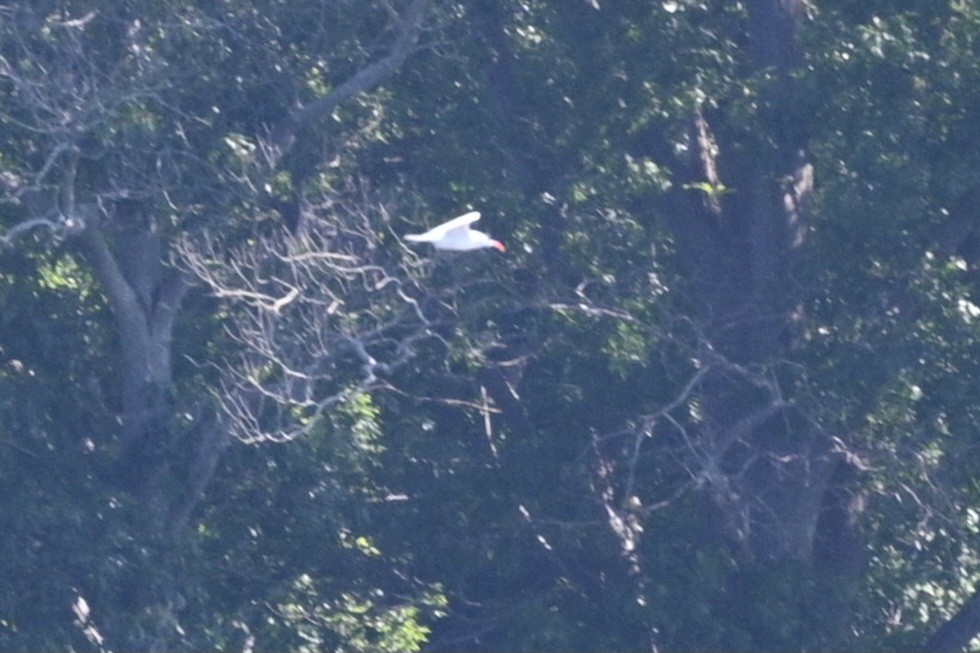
<point x="456" y="235"/>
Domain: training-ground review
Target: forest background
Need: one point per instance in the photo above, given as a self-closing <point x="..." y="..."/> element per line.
<point x="720" y="393"/>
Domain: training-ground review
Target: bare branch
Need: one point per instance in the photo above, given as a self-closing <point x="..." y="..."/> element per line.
<point x="319" y="317"/>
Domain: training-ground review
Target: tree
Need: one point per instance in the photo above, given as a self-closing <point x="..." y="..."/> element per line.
<point x="131" y="124"/>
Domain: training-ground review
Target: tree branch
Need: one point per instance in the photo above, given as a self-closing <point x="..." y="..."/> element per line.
<point x="18" y="230"/>
<point x="321" y="316"/>
<point x="125" y="304"/>
<point x="409" y="28"/>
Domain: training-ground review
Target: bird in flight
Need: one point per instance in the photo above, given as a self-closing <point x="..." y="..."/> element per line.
<point x="456" y="235"/>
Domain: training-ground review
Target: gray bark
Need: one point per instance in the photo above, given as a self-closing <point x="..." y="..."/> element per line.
<point x="145" y="298"/>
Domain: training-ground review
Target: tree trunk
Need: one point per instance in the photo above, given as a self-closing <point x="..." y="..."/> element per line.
<point x="145" y="297"/>
<point x="957" y="633"/>
<point x="739" y="248"/>
<point x="780" y="480"/>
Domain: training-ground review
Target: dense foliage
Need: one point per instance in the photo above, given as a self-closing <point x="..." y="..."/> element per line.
<point x="718" y="394"/>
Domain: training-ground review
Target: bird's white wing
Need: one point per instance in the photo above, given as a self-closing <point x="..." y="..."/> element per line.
<point x="462" y="222"/>
<point x="439" y="232"/>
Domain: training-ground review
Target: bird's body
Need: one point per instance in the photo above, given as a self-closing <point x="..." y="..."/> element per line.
<point x="457" y="236"/>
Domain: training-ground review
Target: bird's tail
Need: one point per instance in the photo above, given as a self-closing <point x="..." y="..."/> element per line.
<point x="415" y="238"/>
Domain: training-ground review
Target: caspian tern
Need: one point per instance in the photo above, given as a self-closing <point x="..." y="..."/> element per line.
<point x="456" y="235"/>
